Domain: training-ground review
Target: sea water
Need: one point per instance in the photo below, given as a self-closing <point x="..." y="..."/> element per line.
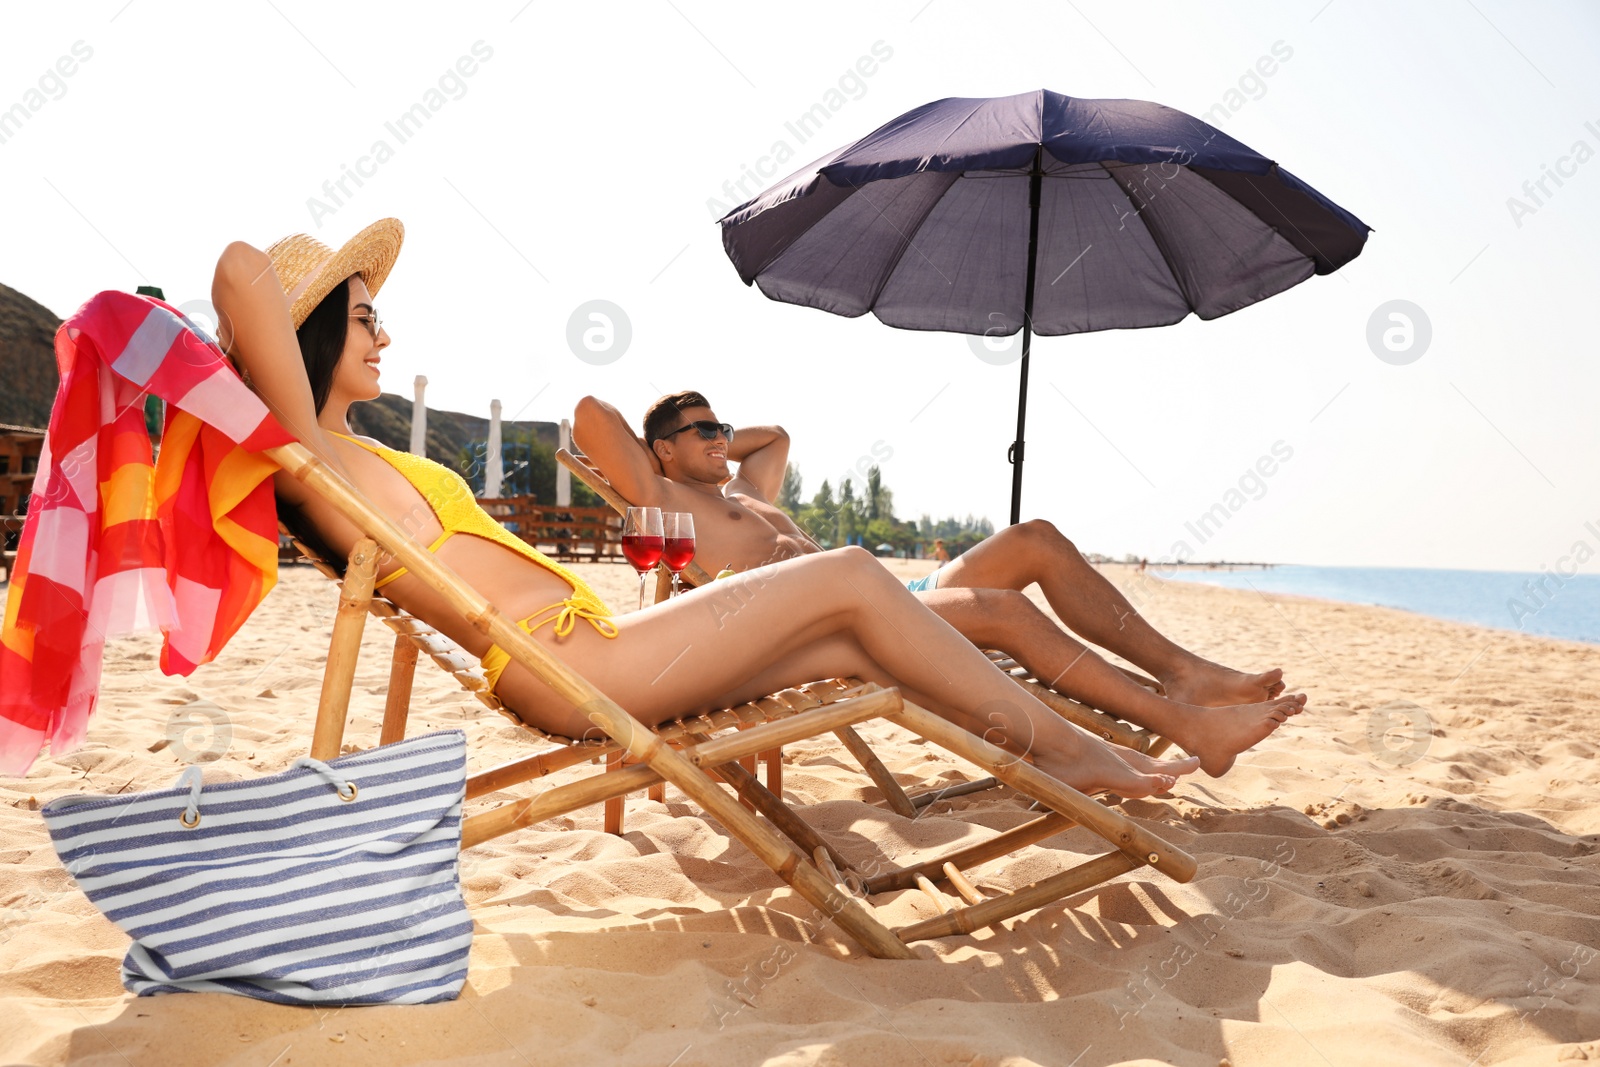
<point x="1547" y="604"/>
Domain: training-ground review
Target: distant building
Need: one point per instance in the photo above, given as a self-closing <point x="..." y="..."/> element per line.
<point x="19" y="461"/>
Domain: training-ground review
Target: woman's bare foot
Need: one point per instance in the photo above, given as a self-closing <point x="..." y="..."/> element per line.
<point x="1152" y="765"/>
<point x="1217" y="735"/>
<point x="1098" y="768"/>
<point x="1211" y="685"/>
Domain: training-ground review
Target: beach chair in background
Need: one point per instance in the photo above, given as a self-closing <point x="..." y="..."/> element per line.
<point x="1105" y="726"/>
<point x="893" y="794"/>
<point x="684" y="752"/>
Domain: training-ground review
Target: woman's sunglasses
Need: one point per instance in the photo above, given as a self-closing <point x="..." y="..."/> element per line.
<point x="707" y="430"/>
<point x="371" y="321"/>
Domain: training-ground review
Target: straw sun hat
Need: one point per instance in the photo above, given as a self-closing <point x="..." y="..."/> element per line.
<point x="308" y="269"/>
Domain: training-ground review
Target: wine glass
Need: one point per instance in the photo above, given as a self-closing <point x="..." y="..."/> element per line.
<point x="678" y="527"/>
<point x="642" y="542"/>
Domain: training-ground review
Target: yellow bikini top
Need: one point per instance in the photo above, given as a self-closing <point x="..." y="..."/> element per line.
<point x="451" y="499"/>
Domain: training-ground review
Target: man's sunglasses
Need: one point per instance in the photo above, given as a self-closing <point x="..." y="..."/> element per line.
<point x="707" y="430"/>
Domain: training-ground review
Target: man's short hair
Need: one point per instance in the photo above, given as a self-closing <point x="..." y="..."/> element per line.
<point x="663" y="414"/>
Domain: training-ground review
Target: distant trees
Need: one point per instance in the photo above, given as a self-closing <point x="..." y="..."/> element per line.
<point x="789" y="494"/>
<point x="879" y="500"/>
<point x="958" y="535"/>
<point x="870" y="517"/>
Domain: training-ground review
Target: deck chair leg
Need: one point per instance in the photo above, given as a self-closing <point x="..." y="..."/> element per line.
<point x="334" y="703"/>
<point x="397" y="705"/>
<point x="778" y="813"/>
<point x="773" y="758"/>
<point x="896" y="797"/>
<point x="749" y="764"/>
<point x="760" y="799"/>
<point x="614" y="806"/>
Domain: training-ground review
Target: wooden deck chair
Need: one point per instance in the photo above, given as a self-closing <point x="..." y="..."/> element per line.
<point x="1101" y="724"/>
<point x="413" y="638"/>
<point x="898" y="800"/>
<point x="812" y="870"/>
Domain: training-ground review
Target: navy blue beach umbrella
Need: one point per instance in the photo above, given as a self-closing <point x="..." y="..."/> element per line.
<point x="1043" y="213"/>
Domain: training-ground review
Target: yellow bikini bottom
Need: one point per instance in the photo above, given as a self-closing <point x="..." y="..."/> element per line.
<point x="564" y="614"/>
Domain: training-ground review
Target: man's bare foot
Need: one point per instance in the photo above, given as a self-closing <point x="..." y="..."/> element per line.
<point x="1211" y="685"/>
<point x="1217" y="735"/>
<point x="1099" y="768"/>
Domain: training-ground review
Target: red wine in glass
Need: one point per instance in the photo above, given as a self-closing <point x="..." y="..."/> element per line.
<point x="679" y="551"/>
<point x="644" y="551"/>
<point x="642" y="542"/>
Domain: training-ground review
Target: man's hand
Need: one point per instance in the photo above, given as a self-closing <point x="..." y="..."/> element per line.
<point x="610" y="444"/>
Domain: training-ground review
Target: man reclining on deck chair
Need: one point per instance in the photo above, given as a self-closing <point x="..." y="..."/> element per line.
<point x="681" y="464"/>
<point x="301" y="323"/>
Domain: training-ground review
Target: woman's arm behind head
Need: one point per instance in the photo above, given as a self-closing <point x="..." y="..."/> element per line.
<point x="254" y="327"/>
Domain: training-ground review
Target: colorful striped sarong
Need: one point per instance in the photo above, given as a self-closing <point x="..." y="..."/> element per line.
<point x="115" y="544"/>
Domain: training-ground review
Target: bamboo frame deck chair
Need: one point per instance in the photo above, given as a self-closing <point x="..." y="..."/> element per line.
<point x="791" y="716"/>
<point x="896" y="797"/>
<point x="1103" y="725"/>
<point x="414" y="637"/>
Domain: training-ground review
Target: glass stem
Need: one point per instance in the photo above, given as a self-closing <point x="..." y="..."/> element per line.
<point x="642" y="577"/>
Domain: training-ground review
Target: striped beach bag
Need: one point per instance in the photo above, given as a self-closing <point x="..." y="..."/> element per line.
<point x="330" y="883"/>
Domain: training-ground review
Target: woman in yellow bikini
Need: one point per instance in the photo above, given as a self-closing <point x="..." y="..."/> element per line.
<point x="300" y="322"/>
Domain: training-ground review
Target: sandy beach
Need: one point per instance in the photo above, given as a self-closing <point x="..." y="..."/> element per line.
<point x="1407" y="873"/>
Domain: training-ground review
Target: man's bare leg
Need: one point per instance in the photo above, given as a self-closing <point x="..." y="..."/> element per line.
<point x="1004" y="618"/>
<point x="1035" y="551"/>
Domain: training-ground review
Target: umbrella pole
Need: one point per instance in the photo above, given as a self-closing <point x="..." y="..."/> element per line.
<point x="1014" y="455"/>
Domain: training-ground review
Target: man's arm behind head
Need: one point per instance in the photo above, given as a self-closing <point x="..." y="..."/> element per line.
<point x="609" y="443"/>
<point x="762" y="453"/>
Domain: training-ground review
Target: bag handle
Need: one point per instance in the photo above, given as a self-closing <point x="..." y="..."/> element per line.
<point x="193" y="780"/>
<point x="346" y="789"/>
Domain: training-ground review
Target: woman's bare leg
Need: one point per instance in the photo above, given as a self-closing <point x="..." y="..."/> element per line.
<point x="767" y="628"/>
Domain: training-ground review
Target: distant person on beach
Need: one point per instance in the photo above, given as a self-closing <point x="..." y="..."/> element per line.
<point x="939" y="552"/>
<point x="681" y="464"/>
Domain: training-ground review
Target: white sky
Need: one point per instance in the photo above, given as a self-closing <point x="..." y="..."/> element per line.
<point x="579" y="161"/>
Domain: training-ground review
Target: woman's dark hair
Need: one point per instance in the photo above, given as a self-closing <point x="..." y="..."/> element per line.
<point x="322" y="337"/>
